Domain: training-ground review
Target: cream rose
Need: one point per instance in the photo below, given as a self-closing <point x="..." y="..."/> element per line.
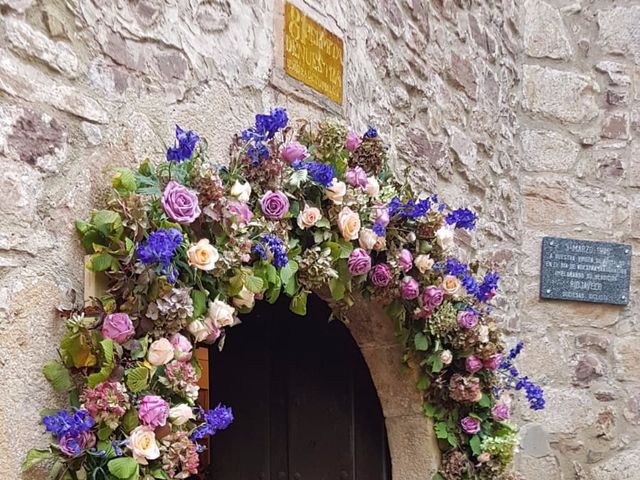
<point x="450" y="285"/>
<point x="348" y="223"/>
<point x="483" y="334"/>
<point x="336" y="191"/>
<point x="444" y="237"/>
<point x="373" y="187"/>
<point x="199" y="330"/>
<point x="160" y="352"/>
<point x="245" y="298"/>
<point x="423" y="263"/>
<point x="367" y="238"/>
<point x="308" y="217"/>
<point x="180" y="414"/>
<point x="221" y="313"/>
<point x="203" y="255"/>
<point x="143" y="445"/>
<point x="446" y="357"/>
<point x="381" y="244"/>
<point x="241" y="191"/>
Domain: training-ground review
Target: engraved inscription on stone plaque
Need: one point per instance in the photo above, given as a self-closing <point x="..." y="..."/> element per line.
<point x="312" y="54"/>
<point x="585" y="271"/>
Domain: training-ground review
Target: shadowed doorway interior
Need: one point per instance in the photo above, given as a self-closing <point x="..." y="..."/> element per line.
<point x="304" y="403"/>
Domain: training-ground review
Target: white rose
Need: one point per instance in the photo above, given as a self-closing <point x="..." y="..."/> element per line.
<point x="143" y="445"/>
<point x="336" y="191"/>
<point x="446" y="357"/>
<point x="348" y="223"/>
<point x="308" y="217"/>
<point x="423" y="263"/>
<point x="241" y="191"/>
<point x="199" y="330"/>
<point x="203" y="255"/>
<point x="483" y="334"/>
<point x="180" y="414"/>
<point x="373" y="187"/>
<point x="221" y="313"/>
<point x="245" y="298"/>
<point x="160" y="352"/>
<point x="367" y="238"/>
<point x="445" y="239"/>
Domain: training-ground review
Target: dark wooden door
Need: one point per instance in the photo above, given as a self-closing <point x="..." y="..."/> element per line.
<point x="304" y="404"/>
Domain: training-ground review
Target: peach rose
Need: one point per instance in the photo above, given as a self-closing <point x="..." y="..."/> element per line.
<point x="423" y="263"/>
<point x="336" y="192"/>
<point x="367" y="238"/>
<point x="373" y="187"/>
<point x="203" y="255"/>
<point x="381" y="244"/>
<point x="348" y="223"/>
<point x="450" y="285"/>
<point x="308" y="217"/>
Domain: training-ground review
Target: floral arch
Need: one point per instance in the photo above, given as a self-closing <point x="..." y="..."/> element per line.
<point x="187" y="244"/>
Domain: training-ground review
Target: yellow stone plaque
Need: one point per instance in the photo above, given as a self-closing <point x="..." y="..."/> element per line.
<point x="312" y="54"/>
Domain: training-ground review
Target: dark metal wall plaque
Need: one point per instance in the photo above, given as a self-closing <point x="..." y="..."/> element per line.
<point x="585" y="271"/>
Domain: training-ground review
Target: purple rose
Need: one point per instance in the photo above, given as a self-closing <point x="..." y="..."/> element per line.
<point x="381" y="215"/>
<point x="179" y="203"/>
<point x="409" y="288"/>
<point x="493" y="362"/>
<point x="405" y="260"/>
<point x="467" y="319"/>
<point x="118" y="327"/>
<point x="359" y="262"/>
<point x="275" y="205"/>
<point x="357" y="177"/>
<point x="239" y="211"/>
<point x="432" y="297"/>
<point x="470" y="425"/>
<point x="153" y="411"/>
<point x="380" y="275"/>
<point x="473" y="364"/>
<point x="75" y="445"/>
<point x="293" y="151"/>
<point x="500" y="412"/>
<point x="353" y="141"/>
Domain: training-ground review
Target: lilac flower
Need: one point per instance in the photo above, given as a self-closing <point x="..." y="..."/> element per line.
<point x="266" y="126"/>
<point x="185" y="144"/>
<point x="379" y="229"/>
<point x="462" y="218"/>
<point x="160" y="247"/>
<point x="63" y="423"/>
<point x="487" y="289"/>
<point x="410" y="209"/>
<point x="271" y="245"/>
<point x="217" y="419"/>
<point x="321" y="173"/>
<point x="371" y="133"/>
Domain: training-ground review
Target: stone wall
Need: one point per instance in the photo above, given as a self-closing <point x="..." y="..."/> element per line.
<point x="579" y="118"/>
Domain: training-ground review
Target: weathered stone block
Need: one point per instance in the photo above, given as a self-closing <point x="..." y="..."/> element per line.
<point x="546" y="150"/>
<point x="623" y="466"/>
<point x="544" y="32"/>
<point x="618" y="30"/>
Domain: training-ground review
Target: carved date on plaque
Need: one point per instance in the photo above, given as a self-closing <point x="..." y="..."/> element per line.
<point x="312" y="54"/>
<point x="585" y="271"/>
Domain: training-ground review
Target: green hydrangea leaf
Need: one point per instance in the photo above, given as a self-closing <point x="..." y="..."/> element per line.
<point x="35" y="456"/>
<point x="199" y="303"/>
<point x="130" y="420"/>
<point x="421" y="342"/>
<point x="299" y="303"/>
<point x="253" y="283"/>
<point x="124" y="182"/>
<point x="288" y="271"/>
<point x="106" y="348"/>
<point x="476" y="445"/>
<point x="124" y="468"/>
<point x="99" y="262"/>
<point x="58" y="376"/>
<point x="137" y="379"/>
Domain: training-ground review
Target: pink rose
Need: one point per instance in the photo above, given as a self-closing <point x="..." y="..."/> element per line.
<point x="380" y="275"/>
<point x="118" y="327"/>
<point x="353" y="141"/>
<point x="501" y="412"/>
<point x="432" y="297"/>
<point x="275" y="205"/>
<point x="179" y="203"/>
<point x="153" y="411"/>
<point x="409" y="288"/>
<point x="473" y="364"/>
<point x="181" y="347"/>
<point x="470" y="425"/>
<point x="293" y="151"/>
<point x="357" y="177"/>
<point x="493" y="362"/>
<point x="405" y="260"/>
<point x="239" y="211"/>
<point x="359" y="262"/>
<point x="467" y="319"/>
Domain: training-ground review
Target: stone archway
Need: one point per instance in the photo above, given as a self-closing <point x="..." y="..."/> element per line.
<point x="414" y="451"/>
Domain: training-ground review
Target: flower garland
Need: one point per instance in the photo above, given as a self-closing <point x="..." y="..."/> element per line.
<point x="187" y="245"/>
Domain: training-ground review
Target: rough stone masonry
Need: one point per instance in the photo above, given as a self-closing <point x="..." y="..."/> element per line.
<point x="526" y="111"/>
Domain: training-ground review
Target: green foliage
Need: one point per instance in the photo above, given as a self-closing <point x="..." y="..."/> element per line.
<point x="421" y="342"/>
<point x="124" y="182"/>
<point x="124" y="468"/>
<point x="107" y="364"/>
<point x="58" y="376"/>
<point x="299" y="303"/>
<point x="137" y="379"/>
<point x="103" y="237"/>
<point x="199" y="298"/>
<point x="35" y="456"/>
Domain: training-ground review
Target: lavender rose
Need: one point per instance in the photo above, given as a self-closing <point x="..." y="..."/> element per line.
<point x="75" y="445"/>
<point x="153" y="411"/>
<point x="467" y="319"/>
<point x="293" y="151"/>
<point x="357" y="177"/>
<point x="381" y="215"/>
<point x="470" y="425"/>
<point x="239" y="212"/>
<point x="179" y="203"/>
<point x="380" y="275"/>
<point x="118" y="327"/>
<point x="501" y="412"/>
<point x="432" y="297"/>
<point x="353" y="141"/>
<point x="473" y="364"/>
<point x="359" y="262"/>
<point x="409" y="288"/>
<point x="275" y="205"/>
<point x="493" y="362"/>
<point x="405" y="260"/>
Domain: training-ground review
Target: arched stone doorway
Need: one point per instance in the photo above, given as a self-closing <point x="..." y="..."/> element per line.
<point x="387" y="438"/>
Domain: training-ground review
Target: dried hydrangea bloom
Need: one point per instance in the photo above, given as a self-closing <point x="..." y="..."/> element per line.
<point x="465" y="389"/>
